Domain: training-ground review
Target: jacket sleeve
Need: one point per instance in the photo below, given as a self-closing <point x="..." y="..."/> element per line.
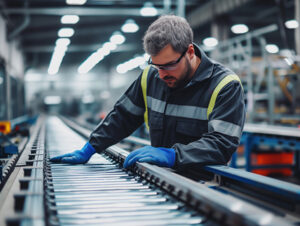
<point x="125" y="118"/>
<point x="225" y="125"/>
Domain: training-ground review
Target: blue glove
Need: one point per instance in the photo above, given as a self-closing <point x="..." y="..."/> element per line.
<point x="76" y="157"/>
<point x="158" y="156"/>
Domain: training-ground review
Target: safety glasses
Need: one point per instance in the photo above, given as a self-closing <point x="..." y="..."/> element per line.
<point x="168" y="66"/>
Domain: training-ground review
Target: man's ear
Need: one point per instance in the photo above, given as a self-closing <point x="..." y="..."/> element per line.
<point x="191" y="51"/>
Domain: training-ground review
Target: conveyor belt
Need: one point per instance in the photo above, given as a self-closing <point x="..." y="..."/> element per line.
<point x="219" y="208"/>
<point x="100" y="192"/>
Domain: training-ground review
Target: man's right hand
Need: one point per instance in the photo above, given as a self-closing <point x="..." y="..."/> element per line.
<point x="76" y="157"/>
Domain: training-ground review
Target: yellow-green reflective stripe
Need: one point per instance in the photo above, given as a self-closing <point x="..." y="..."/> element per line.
<point x="214" y="96"/>
<point x="144" y="89"/>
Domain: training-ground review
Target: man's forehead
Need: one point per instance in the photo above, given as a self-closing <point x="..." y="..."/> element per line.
<point x="165" y="56"/>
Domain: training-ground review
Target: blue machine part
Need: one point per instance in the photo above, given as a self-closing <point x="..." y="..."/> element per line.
<point x="6" y="146"/>
<point x="1" y="167"/>
<point x="23" y="120"/>
<point x="254" y="142"/>
<point x="281" y="143"/>
<point x="11" y="149"/>
<point x="282" y="188"/>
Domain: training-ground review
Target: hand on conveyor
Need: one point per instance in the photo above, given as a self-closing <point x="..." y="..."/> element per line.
<point x="76" y="157"/>
<point x="158" y="156"/>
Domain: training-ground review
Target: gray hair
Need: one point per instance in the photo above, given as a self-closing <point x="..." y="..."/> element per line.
<point x="168" y="29"/>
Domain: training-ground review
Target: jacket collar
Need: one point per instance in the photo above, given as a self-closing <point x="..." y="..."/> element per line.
<point x="204" y="69"/>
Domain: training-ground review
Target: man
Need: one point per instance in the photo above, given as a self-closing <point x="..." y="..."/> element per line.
<point x="195" y="107"/>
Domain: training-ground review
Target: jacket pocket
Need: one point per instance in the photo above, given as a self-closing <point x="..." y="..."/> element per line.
<point x="156" y="129"/>
<point x="188" y="131"/>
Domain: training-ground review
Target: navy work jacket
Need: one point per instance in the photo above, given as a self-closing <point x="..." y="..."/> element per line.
<point x="178" y="118"/>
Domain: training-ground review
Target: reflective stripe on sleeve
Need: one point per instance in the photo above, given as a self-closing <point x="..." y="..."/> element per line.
<point x="224" y="127"/>
<point x="131" y="107"/>
<point x="221" y="84"/>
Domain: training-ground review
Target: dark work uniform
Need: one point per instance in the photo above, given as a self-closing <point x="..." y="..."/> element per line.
<point x="178" y="118"/>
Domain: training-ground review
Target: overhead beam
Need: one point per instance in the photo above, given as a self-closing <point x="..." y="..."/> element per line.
<point x="80" y="11"/>
<point x="81" y="31"/>
<point x="211" y="9"/>
<point x="79" y="48"/>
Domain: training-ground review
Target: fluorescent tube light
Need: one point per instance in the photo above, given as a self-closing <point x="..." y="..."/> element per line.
<point x="75" y="2"/>
<point x="148" y="9"/>
<point x="130" y="26"/>
<point x="272" y="48"/>
<point x="117" y="38"/>
<point x="239" y="28"/>
<point x="210" y="42"/>
<point x="291" y="24"/>
<point x="69" y="19"/>
<point x="65" y="32"/>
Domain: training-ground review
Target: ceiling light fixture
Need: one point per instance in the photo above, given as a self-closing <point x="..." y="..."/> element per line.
<point x="117" y="38"/>
<point x="56" y="59"/>
<point x="131" y="64"/>
<point x="109" y="46"/>
<point x="291" y="24"/>
<point x="272" y="48"/>
<point x="62" y="42"/>
<point x="239" y="28"/>
<point x="210" y="42"/>
<point x="96" y="57"/>
<point x="90" y="62"/>
<point x="148" y="9"/>
<point x="65" y="32"/>
<point x="50" y="100"/>
<point x="58" y="55"/>
<point x="75" y="2"/>
<point x="130" y="26"/>
<point x="69" y="19"/>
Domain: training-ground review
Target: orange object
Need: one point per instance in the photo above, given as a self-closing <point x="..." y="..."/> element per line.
<point x="279" y="158"/>
<point x="240" y="150"/>
<point x="102" y="115"/>
<point x="5" y="127"/>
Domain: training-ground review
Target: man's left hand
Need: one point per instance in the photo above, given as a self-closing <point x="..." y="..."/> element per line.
<point x="159" y="156"/>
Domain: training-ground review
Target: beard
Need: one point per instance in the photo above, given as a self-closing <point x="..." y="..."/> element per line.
<point x="185" y="77"/>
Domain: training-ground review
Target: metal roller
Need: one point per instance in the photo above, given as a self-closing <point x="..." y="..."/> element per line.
<point x="103" y="193"/>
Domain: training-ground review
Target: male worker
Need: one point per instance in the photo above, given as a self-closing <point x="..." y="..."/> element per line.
<point x="194" y="106"/>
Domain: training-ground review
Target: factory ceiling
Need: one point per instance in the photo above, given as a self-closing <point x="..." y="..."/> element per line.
<point x="35" y="23"/>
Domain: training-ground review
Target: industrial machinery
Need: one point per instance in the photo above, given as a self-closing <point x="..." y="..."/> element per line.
<point x="13" y="138"/>
<point x="270" y="150"/>
<point x="101" y="192"/>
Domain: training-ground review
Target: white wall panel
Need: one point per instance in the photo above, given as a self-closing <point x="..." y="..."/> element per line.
<point x="10" y="52"/>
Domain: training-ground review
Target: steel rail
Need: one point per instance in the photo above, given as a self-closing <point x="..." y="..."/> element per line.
<point x="291" y="132"/>
<point x="22" y="196"/>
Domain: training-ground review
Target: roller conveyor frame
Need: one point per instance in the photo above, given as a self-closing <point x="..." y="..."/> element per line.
<point x="216" y="169"/>
<point x="230" y="211"/>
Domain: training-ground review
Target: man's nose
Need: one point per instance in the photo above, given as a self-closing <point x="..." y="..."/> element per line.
<point x="162" y="73"/>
